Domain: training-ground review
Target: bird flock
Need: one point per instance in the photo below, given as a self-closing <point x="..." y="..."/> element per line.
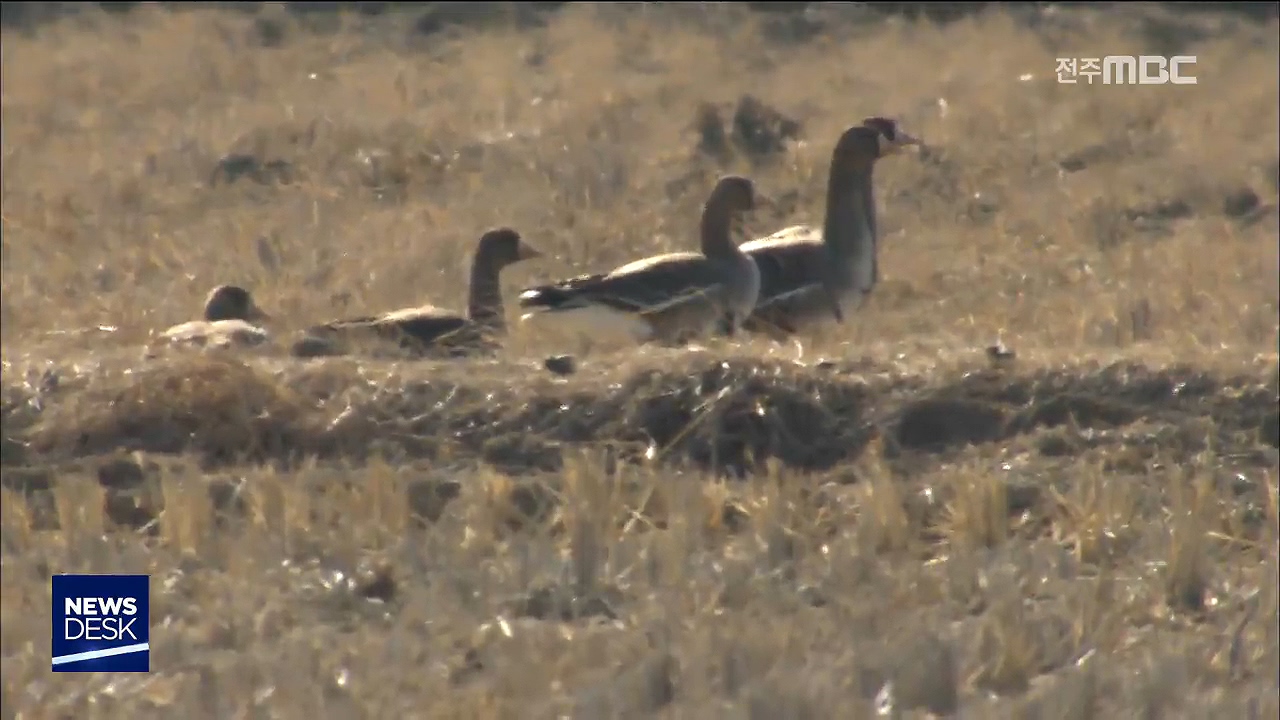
<point x="775" y="286"/>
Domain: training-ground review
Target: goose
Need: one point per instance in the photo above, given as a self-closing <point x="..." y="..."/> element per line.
<point x="429" y="329"/>
<point x="808" y="274"/>
<point x="229" y="316"/>
<point x="666" y="298"/>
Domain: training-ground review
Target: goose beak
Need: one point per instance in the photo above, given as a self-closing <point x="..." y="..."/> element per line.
<point x="256" y="314"/>
<point x="902" y="140"/>
<point x="525" y="251"/>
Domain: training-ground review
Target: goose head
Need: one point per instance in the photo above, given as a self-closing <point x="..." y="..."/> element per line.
<point x="733" y="195"/>
<point x="232" y="302"/>
<point x="861" y="145"/>
<point x="497" y="249"/>
<point x="731" y="199"/>
<point x="501" y="247"/>
<point x="889" y="137"/>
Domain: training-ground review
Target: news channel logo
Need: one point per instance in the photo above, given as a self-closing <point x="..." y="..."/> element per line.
<point x="1127" y="70"/>
<point x="101" y="623"/>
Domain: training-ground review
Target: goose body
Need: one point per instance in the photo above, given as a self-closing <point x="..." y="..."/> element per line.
<point x="230" y="314"/>
<point x="417" y="329"/>
<point x="428" y="329"/>
<point x="808" y="274"/>
<point x="217" y="333"/>
<point x="667" y="298"/>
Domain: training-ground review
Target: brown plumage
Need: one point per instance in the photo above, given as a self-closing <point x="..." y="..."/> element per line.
<point x="808" y="274"/>
<point x="429" y="329"/>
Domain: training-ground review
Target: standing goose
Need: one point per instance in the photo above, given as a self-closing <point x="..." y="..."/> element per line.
<point x="229" y="316"/>
<point x="666" y="298"/>
<point x="427" y="328"/>
<point x="808" y="275"/>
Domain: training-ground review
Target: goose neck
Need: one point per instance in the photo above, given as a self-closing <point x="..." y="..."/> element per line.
<point x="717" y="233"/>
<point x="485" y="303"/>
<point x="849" y="217"/>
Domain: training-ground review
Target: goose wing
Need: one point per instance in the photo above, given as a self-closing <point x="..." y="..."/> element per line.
<point x="792" y="292"/>
<point x="416" y="328"/>
<point x="784" y="314"/>
<point x="644" y="286"/>
<point x="788" y="260"/>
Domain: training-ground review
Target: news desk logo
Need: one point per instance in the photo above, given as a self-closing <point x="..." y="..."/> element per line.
<point x="1128" y="70"/>
<point x="101" y="623"/>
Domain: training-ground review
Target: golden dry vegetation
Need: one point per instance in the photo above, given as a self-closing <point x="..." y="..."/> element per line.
<point x="877" y="520"/>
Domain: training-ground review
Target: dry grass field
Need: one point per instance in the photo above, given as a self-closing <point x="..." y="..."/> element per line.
<point x="876" y="521"/>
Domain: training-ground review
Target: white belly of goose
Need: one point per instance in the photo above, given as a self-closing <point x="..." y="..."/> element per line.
<point x="216" y="333"/>
<point x="742" y="299"/>
<point x="598" y="322"/>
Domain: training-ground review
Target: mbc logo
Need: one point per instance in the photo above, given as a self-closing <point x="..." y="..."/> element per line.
<point x="1128" y="70"/>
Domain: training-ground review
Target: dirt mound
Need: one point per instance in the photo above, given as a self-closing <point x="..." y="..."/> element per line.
<point x="220" y="408"/>
<point x="732" y="416"/>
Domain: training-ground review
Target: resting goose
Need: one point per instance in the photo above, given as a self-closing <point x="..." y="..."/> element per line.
<point x="229" y="317"/>
<point x="806" y="274"/>
<point x="666" y="298"/>
<point x="428" y="329"/>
